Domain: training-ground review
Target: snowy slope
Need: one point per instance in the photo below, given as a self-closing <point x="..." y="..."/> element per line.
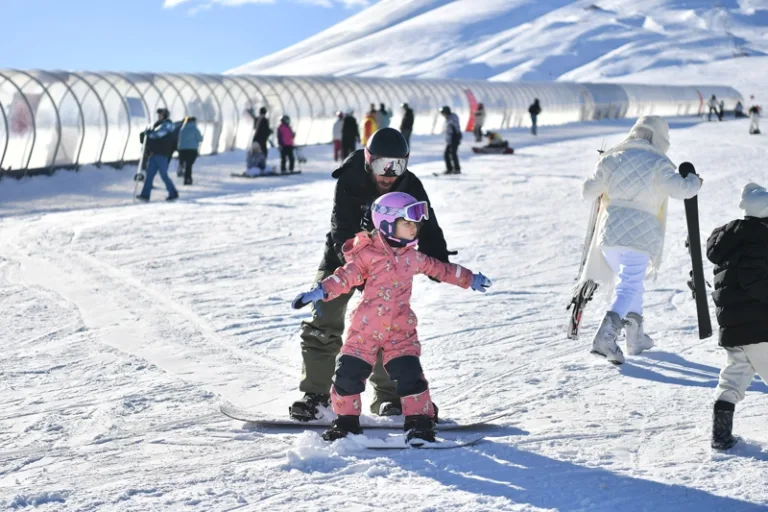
<point x="525" y="39"/>
<point x="124" y="326"/>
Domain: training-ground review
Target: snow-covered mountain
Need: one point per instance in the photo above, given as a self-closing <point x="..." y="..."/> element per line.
<point x="526" y="39"/>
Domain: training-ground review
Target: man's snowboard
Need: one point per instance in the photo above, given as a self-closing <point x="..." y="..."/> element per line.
<point x="398" y="443"/>
<point x="485" y="150"/>
<point x="367" y="422"/>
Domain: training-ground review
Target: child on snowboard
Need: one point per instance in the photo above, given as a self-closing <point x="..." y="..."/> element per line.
<point x="739" y="251"/>
<point x="256" y="163"/>
<point x="385" y="261"/>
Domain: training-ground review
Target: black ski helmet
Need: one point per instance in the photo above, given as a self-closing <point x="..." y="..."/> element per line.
<point x="445" y="110"/>
<point x="162" y="111"/>
<point x="386" y="143"/>
<point x="263" y="111"/>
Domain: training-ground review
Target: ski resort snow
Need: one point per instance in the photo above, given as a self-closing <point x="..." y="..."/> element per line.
<point x="125" y="326"/>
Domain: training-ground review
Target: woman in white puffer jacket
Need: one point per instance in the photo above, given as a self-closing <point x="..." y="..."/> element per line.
<point x="635" y="180"/>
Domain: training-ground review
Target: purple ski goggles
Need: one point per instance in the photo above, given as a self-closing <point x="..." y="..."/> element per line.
<point x="415" y="212"/>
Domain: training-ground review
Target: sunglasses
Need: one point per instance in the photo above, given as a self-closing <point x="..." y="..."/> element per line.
<point x="384" y="166"/>
<point x="415" y="212"/>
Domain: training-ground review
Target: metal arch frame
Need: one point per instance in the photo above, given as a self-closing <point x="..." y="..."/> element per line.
<point x="235" y="81"/>
<point x="181" y="77"/>
<point x="125" y="106"/>
<point x="425" y="94"/>
<point x="214" y="144"/>
<point x="319" y="82"/>
<point x="362" y="86"/>
<point x="169" y="83"/>
<point x="127" y="109"/>
<point x="7" y="138"/>
<point x="31" y="116"/>
<point x="309" y="103"/>
<point x="352" y="86"/>
<point x="103" y="111"/>
<point x="274" y="81"/>
<point x="80" y="110"/>
<point x="250" y="79"/>
<point x="234" y="102"/>
<point x="146" y="106"/>
<point x="149" y="78"/>
<point x="55" y="109"/>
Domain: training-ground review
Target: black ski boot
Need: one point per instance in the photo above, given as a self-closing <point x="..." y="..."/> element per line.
<point x="722" y="426"/>
<point x="306" y="408"/>
<point x="390" y="409"/>
<point x="341" y="426"/>
<point x="419" y="427"/>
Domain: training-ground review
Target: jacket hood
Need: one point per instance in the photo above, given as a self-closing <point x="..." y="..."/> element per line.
<point x="362" y="240"/>
<point x="653" y="129"/>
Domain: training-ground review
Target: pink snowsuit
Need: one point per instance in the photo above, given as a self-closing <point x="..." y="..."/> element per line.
<point x="383" y="320"/>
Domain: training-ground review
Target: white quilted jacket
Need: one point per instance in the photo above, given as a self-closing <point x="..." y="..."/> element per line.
<point x="635" y="180"/>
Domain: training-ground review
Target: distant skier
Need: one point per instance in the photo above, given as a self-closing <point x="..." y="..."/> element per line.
<point x="479" y="122"/>
<point x="738" y="110"/>
<point x="635" y="179"/>
<point x="350" y="135"/>
<point x="337" y="133"/>
<point x="383" y="117"/>
<point x="261" y="129"/>
<point x="534" y="110"/>
<point x="739" y="251"/>
<point x="285" y="141"/>
<point x="161" y="143"/>
<point x="495" y="140"/>
<point x="406" y="125"/>
<point x="363" y="177"/>
<point x="385" y="260"/>
<point x="369" y="125"/>
<point x="754" y="120"/>
<point x="452" y="134"/>
<point x="713" y="107"/>
<point x="189" y="145"/>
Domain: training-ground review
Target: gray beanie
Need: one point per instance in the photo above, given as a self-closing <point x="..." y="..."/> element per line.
<point x="754" y="200"/>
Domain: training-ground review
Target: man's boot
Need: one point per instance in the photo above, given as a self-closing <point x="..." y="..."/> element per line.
<point x="308" y="408"/>
<point x="722" y="425"/>
<point x="604" y="343"/>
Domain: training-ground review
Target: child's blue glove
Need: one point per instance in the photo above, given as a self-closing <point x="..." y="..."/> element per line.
<point x="317" y="293"/>
<point x="480" y="283"/>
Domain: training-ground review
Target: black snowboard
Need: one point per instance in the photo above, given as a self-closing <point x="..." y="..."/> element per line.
<point x="697" y="284"/>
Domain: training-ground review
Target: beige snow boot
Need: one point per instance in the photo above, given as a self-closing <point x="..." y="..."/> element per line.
<point x="637" y="340"/>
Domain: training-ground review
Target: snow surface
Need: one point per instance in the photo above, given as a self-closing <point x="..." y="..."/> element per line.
<point x="581" y="40"/>
<point x="125" y="326"/>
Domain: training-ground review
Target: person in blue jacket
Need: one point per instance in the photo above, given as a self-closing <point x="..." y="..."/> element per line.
<point x="189" y="145"/>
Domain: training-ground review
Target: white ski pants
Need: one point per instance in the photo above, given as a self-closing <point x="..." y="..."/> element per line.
<point x="630" y="268"/>
<point x="754" y="123"/>
<point x="740" y="368"/>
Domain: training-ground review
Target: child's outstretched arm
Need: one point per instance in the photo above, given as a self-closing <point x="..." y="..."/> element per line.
<point x="452" y="273"/>
<point x="344" y="279"/>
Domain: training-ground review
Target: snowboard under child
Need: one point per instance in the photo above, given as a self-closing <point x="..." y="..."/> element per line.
<point x="385" y="261"/>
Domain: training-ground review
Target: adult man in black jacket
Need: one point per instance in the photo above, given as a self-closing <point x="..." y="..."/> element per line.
<point x="350" y="135"/>
<point x="406" y="125"/>
<point x="261" y="128"/>
<point x="363" y="177"/>
<point x="739" y="251"/>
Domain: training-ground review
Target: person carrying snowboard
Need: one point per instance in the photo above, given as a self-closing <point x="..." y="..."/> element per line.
<point x="452" y="134"/>
<point x="739" y="251"/>
<point x="754" y="118"/>
<point x="634" y="180"/>
<point x="534" y="110"/>
<point x="385" y="261"/>
<point x="161" y="143"/>
<point x="364" y="176"/>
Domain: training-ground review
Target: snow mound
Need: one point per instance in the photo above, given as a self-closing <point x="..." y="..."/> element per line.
<point x="524" y="39"/>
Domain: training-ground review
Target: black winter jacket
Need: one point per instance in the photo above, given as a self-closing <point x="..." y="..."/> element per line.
<point x="355" y="192"/>
<point x="350" y="131"/>
<point x="406" y="125"/>
<point x="739" y="251"/>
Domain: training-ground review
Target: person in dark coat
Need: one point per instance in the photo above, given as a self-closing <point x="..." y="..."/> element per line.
<point x="534" y="110"/>
<point x="357" y="188"/>
<point x="161" y="143"/>
<point x="739" y="251"/>
<point x="406" y="125"/>
<point x="350" y="135"/>
<point x="261" y="129"/>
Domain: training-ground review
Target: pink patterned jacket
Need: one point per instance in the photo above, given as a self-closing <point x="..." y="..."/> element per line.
<point x="384" y="318"/>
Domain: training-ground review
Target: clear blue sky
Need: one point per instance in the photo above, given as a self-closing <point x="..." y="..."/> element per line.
<point x="146" y="35"/>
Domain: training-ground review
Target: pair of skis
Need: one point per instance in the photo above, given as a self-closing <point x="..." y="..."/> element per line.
<point x="584" y="293"/>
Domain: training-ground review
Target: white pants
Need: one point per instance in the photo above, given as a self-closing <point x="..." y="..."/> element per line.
<point x="740" y="368"/>
<point x="754" y="123"/>
<point x="630" y="267"/>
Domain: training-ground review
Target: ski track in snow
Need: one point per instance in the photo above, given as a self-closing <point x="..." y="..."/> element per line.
<point x="125" y="326"/>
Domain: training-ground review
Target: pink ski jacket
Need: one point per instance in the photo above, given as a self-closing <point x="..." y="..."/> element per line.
<point x="284" y="135"/>
<point x="384" y="314"/>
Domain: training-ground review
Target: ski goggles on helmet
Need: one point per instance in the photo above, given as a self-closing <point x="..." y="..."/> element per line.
<point x="385" y="166"/>
<point x="415" y="212"/>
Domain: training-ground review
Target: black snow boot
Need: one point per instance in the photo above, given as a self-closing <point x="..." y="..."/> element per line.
<point x="341" y="426"/>
<point x="722" y="426"/>
<point x="306" y="408"/>
<point x="390" y="409"/>
<point x="419" y="427"/>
